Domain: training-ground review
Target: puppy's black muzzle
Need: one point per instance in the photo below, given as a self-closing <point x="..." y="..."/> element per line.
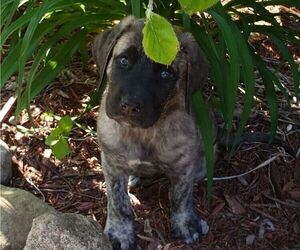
<point x="134" y="96"/>
<point x="130" y="107"/>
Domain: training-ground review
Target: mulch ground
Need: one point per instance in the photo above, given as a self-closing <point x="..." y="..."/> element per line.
<point x="260" y="210"/>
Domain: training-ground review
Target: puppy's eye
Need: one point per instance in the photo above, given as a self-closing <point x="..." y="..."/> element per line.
<point x="123" y="61"/>
<point x="166" y="74"/>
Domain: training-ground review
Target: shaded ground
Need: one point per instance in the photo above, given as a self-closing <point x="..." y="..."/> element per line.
<point x="264" y="204"/>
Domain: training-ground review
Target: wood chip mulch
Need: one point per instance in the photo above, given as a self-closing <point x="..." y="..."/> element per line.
<point x="260" y="210"/>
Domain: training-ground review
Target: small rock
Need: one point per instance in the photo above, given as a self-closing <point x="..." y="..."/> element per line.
<point x="12" y="120"/>
<point x="18" y="209"/>
<point x="11" y="85"/>
<point x="19" y="136"/>
<point x="66" y="231"/>
<point x="265" y="225"/>
<point x="204" y="226"/>
<point x="5" y="163"/>
<point x="289" y="127"/>
<point x="250" y="239"/>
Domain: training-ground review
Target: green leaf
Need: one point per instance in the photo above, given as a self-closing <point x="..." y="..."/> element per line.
<point x="269" y="80"/>
<point x="63" y="128"/>
<point x="26" y="41"/>
<point x="288" y="57"/>
<point x="159" y="41"/>
<point x="190" y="6"/>
<point x="61" y="56"/>
<point x="10" y="63"/>
<point x="203" y="119"/>
<point x="8" y="16"/>
<point x="247" y="76"/>
<point x="229" y="84"/>
<point x="136" y="8"/>
<point x="216" y="69"/>
<point x="186" y="21"/>
<point x="65" y="124"/>
<point x="56" y="140"/>
<point x="52" y="139"/>
<point x="61" y="148"/>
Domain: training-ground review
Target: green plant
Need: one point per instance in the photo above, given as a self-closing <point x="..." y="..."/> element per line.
<point x="57" y="140"/>
<point x="51" y="32"/>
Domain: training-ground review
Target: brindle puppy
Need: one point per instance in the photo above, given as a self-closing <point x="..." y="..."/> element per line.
<point x="144" y="127"/>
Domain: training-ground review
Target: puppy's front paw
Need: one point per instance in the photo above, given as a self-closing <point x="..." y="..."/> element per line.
<point x="121" y="236"/>
<point x="188" y="226"/>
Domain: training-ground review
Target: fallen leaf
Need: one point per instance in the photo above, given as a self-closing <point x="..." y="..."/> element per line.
<point x="288" y="186"/>
<point x="134" y="200"/>
<point x="217" y="209"/>
<point x="235" y="205"/>
<point x="63" y="94"/>
<point x="84" y="206"/>
<point x="294" y="193"/>
<point x="32" y="174"/>
<point x="296" y="227"/>
<point x="167" y="247"/>
<point x="147" y="227"/>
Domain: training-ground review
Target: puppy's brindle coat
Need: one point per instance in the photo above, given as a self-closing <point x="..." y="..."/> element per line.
<point x="144" y="127"/>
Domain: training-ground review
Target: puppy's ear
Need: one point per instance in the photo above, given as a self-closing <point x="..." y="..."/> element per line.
<point x="197" y="66"/>
<point x="105" y="42"/>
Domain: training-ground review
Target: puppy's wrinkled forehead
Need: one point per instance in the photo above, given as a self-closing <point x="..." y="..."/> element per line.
<point x="130" y="39"/>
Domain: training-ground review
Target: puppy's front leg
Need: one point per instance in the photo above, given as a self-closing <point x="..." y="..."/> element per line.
<point x="185" y="222"/>
<point x="119" y="222"/>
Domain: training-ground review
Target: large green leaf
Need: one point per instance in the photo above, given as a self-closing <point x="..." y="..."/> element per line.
<point x="159" y="39"/>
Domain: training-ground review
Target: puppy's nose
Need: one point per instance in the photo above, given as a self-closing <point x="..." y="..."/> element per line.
<point x="130" y="107"/>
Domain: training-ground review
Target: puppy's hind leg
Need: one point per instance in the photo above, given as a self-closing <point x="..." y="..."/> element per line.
<point x="119" y="222"/>
<point x="185" y="221"/>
